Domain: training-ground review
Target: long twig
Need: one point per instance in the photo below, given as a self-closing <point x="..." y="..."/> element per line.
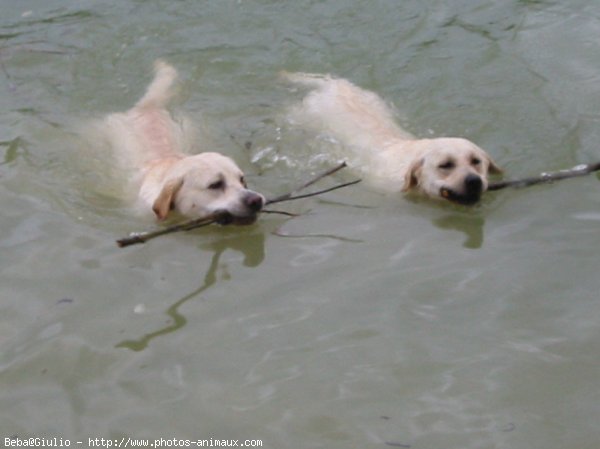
<point x="287" y="196"/>
<point x="579" y="170"/>
<point x="290" y="197"/>
<point x="278" y="212"/>
<point x="143" y="237"/>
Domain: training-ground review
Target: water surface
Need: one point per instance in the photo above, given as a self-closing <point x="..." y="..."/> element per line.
<point x="367" y="322"/>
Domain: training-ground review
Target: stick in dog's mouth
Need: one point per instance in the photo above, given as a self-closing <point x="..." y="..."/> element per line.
<point x="465" y="200"/>
<point x="225" y="218"/>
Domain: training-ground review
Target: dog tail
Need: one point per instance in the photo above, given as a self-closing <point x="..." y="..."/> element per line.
<point x="306" y="79"/>
<point x="160" y="90"/>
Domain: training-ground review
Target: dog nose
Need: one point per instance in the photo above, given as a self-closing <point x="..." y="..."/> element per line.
<point x="473" y="184"/>
<point x="253" y="201"/>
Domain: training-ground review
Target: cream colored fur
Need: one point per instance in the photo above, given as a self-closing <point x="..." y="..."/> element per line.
<point x="388" y="157"/>
<point x="148" y="139"/>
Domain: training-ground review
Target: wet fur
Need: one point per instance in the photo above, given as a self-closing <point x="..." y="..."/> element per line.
<point x="392" y="159"/>
<point x="148" y="140"/>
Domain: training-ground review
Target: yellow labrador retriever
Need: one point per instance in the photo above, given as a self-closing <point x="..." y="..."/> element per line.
<point x="454" y="169"/>
<point x="149" y="139"/>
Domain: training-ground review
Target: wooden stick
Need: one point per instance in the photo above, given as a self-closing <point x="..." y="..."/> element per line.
<point x="278" y="212"/>
<point x="549" y="177"/>
<point x="143" y="237"/>
<point x="290" y="197"/>
<point x="287" y="196"/>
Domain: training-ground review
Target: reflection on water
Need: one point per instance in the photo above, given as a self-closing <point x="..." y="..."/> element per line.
<point x="12" y="150"/>
<point x="470" y="225"/>
<point x="254" y="252"/>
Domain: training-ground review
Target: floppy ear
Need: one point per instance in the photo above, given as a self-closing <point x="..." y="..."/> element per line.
<point x="411" y="179"/>
<point x="493" y="168"/>
<point x="162" y="204"/>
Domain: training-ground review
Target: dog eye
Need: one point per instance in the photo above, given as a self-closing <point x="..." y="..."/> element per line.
<point x="243" y="181"/>
<point x="475" y="161"/>
<point x="217" y="185"/>
<point x="448" y="165"/>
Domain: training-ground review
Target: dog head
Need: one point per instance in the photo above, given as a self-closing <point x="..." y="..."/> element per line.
<point x="205" y="184"/>
<point x="450" y="168"/>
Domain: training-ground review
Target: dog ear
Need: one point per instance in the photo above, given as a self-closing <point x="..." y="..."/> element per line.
<point x="493" y="168"/>
<point x="162" y="204"/>
<point x="411" y="179"/>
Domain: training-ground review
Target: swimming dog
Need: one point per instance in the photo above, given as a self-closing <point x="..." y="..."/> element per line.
<point x="147" y="138"/>
<point x="449" y="168"/>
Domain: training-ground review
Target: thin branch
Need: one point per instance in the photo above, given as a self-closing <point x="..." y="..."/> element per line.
<point x="549" y="177"/>
<point x="287" y="196"/>
<point x="290" y="197"/>
<point x="143" y="237"/>
<point x="279" y="212"/>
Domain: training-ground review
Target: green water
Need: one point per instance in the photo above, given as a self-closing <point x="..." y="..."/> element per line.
<point x="367" y="322"/>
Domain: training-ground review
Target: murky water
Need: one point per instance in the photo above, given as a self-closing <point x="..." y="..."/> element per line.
<point x="367" y="322"/>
